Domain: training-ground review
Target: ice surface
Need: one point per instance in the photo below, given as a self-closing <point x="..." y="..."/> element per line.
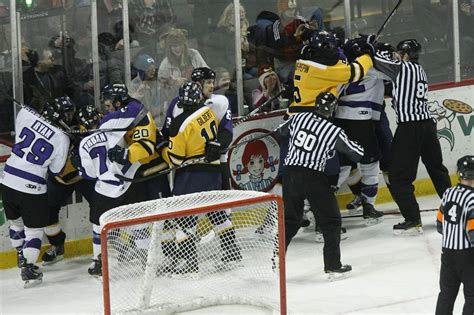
<point x="391" y="275"/>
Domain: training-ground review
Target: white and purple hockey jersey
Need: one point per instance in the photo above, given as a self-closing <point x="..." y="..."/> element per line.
<point x="39" y="147"/>
<point x="93" y="153"/>
<point x="362" y="100"/>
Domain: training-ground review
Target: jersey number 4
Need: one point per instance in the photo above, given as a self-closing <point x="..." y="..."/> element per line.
<point x="37" y="150"/>
<point x="452" y="213"/>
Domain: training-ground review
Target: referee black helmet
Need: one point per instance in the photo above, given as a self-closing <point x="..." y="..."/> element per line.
<point x="326" y="105"/>
<point x="465" y="166"/>
<point x="411" y="47"/>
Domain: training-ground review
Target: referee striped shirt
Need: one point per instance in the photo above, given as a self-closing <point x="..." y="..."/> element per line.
<point x="410" y="88"/>
<point x="455" y="219"/>
<point x="313" y="140"/>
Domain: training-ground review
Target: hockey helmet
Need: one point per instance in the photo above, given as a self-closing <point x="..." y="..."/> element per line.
<point x="114" y="92"/>
<point x="88" y="116"/>
<point x="61" y="109"/>
<point x="384" y="49"/>
<point x="190" y="95"/>
<point x="323" y="39"/>
<point x="203" y="73"/>
<point x="410" y="47"/>
<point x="326" y="105"/>
<point x="465" y="166"/>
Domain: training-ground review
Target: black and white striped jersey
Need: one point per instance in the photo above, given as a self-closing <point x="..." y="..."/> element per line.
<point x="455" y="219"/>
<point x="313" y="140"/>
<point x="410" y="88"/>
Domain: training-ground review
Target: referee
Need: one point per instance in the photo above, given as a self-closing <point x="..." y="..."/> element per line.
<point x="455" y="221"/>
<point x="415" y="136"/>
<point x="312" y="141"/>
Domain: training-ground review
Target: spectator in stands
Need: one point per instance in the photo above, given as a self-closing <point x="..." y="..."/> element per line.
<point x="269" y="87"/>
<point x="466" y="24"/>
<point x="151" y="18"/>
<point x="177" y="66"/>
<point x="285" y="41"/>
<point x="144" y="87"/>
<point x="434" y="34"/>
<point x="220" y="44"/>
<point x="43" y="80"/>
<point x="222" y="80"/>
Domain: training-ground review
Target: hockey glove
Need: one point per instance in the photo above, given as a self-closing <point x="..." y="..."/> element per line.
<point x="75" y="159"/>
<point x="118" y="154"/>
<point x="213" y="151"/>
<point x="366" y="43"/>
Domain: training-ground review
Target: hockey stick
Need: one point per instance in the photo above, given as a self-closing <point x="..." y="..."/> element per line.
<point x="197" y="160"/>
<point x="387" y="20"/>
<point x="64" y="127"/>
<point x="256" y="110"/>
<point x="386" y="213"/>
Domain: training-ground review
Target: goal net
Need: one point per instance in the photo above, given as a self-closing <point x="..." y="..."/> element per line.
<point x="193" y="251"/>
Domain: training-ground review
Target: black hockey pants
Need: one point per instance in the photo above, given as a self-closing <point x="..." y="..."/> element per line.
<point x="457" y="266"/>
<point x="413" y="140"/>
<point x="301" y="183"/>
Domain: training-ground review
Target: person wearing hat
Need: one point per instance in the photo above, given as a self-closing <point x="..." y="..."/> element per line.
<point x="144" y="87"/>
<point x="270" y="86"/>
<point x="178" y="64"/>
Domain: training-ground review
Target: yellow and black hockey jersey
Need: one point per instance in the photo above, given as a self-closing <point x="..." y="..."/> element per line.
<point x="312" y="78"/>
<point x="188" y="134"/>
<point x="141" y="141"/>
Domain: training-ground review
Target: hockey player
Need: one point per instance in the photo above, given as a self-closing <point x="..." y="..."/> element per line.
<point x="320" y="69"/>
<point x="95" y="165"/>
<point x="197" y="132"/>
<point x="206" y="78"/>
<point x="455" y="221"/>
<point x="359" y="104"/>
<point x="105" y="154"/>
<point x="141" y="140"/>
<point x="40" y="147"/>
<point x="61" y="187"/>
<point x="415" y="136"/>
<point x="313" y="139"/>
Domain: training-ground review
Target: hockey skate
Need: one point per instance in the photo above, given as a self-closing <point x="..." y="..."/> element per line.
<point x="187" y="269"/>
<point x="354" y="205"/>
<point x="95" y="269"/>
<point x="338" y="274"/>
<point x="370" y="215"/>
<point x="31" y="274"/>
<point x="320" y="239"/>
<point x="20" y="259"/>
<point x="53" y="254"/>
<point x="408" y="228"/>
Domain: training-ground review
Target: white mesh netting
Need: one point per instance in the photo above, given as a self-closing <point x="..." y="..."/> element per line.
<point x="225" y="256"/>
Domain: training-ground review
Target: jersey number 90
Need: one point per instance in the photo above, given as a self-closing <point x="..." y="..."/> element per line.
<point x="305" y="141"/>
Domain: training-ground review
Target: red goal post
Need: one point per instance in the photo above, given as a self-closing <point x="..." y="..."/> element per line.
<point x="135" y="263"/>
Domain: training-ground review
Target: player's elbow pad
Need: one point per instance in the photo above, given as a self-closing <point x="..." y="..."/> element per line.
<point x="224" y="137"/>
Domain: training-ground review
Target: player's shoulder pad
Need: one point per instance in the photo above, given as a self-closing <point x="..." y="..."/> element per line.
<point x="219" y="104"/>
<point x="177" y="122"/>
